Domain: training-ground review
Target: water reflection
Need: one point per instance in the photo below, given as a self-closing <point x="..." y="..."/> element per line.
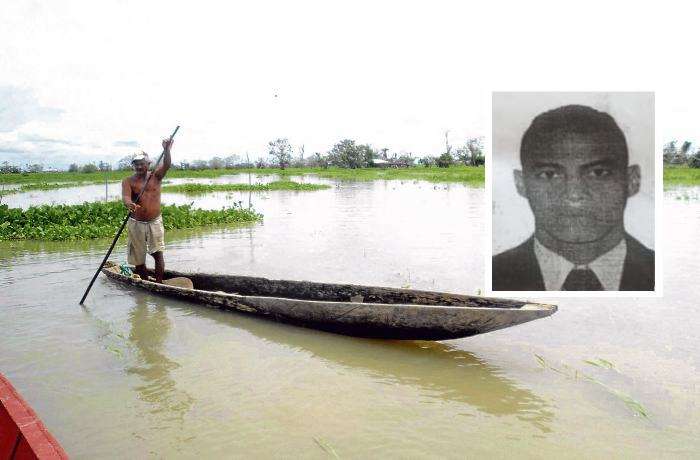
<point x="149" y="328"/>
<point x="437" y="369"/>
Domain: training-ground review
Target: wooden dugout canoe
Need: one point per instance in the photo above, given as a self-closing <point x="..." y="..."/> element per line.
<point x="362" y="311"/>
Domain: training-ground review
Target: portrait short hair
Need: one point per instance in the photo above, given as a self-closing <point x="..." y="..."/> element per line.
<point x="582" y="168"/>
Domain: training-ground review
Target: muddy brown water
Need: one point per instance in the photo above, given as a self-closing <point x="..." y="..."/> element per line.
<point x="135" y="375"/>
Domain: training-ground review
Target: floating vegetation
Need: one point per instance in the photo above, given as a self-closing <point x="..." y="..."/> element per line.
<point x="102" y="219"/>
<point x="327" y="448"/>
<point x="278" y="185"/>
<point x="47" y="186"/>
<point x="600" y="362"/>
<point x="51" y="186"/>
<point x="573" y="373"/>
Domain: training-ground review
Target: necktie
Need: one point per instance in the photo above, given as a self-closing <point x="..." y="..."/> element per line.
<point x="582" y="279"/>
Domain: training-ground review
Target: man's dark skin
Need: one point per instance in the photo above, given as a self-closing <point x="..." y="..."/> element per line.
<point x="578" y="187"/>
<point x="148" y="207"/>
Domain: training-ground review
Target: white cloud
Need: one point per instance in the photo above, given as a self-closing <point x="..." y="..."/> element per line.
<point x="19" y="106"/>
<point x="236" y="75"/>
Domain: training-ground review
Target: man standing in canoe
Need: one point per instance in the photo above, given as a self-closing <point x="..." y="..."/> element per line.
<point x="145" y="225"/>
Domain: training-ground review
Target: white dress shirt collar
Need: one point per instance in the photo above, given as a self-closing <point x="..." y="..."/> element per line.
<point x="555" y="268"/>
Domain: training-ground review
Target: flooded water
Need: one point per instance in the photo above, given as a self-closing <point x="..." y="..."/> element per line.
<point x="136" y="375"/>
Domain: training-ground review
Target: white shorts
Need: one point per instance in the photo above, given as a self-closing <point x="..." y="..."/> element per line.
<point x="144" y="237"/>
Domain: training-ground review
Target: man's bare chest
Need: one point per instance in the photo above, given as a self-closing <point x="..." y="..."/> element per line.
<point x="152" y="185"/>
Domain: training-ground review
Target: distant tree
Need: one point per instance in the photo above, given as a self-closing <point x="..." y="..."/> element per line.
<point x="184" y="164"/>
<point x="405" y="160"/>
<point x="35" y="168"/>
<point x="232" y="161"/>
<point x="669" y="151"/>
<point x="427" y="161"/>
<point x="88" y="168"/>
<point x="472" y="152"/>
<point x="317" y="160"/>
<point x="299" y="161"/>
<point x="216" y="163"/>
<point x="124" y="164"/>
<point x="448" y="147"/>
<point x="675" y="155"/>
<point x="281" y="152"/>
<point x="694" y="160"/>
<point x="200" y="164"/>
<point x="445" y="160"/>
<point x="347" y="154"/>
<point x="7" y="168"/>
<point x="74" y="167"/>
<point x="682" y="156"/>
<point x="260" y="163"/>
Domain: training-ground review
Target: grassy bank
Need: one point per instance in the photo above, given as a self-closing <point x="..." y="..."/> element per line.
<point x="465" y="174"/>
<point x="679" y="175"/>
<point x="278" y="185"/>
<point x="101" y="220"/>
<point x="43" y="186"/>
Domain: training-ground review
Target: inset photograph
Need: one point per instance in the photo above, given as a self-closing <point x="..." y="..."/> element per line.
<point x="573" y="192"/>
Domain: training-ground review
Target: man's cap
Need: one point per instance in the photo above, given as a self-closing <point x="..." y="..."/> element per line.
<point x="143" y="156"/>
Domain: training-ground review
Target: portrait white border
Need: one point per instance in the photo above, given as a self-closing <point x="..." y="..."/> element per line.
<point x="658" y="209"/>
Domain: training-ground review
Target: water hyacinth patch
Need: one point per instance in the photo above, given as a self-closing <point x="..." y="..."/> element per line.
<point x="102" y="219"/>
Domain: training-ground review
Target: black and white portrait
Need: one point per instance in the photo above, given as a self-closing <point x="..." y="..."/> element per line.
<point x="573" y="192"/>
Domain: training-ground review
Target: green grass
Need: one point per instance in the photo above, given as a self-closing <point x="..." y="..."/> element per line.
<point x="278" y="185"/>
<point x="49" y="186"/>
<point x="681" y="175"/>
<point x="101" y="220"/>
<point x="464" y="174"/>
<point x="85" y="178"/>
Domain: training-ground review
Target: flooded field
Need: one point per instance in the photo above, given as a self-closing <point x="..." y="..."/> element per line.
<point x="135" y="375"/>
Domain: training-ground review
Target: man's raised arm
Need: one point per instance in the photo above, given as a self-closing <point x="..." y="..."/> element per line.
<point x="165" y="164"/>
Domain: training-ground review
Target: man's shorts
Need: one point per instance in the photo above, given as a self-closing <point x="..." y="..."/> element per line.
<point x="144" y="237"/>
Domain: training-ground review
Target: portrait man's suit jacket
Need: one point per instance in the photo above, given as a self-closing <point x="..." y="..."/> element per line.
<point x="518" y="270"/>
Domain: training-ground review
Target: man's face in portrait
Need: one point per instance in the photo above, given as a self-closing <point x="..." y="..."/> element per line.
<point x="577" y="185"/>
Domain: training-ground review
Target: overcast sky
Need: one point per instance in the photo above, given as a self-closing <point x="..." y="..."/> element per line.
<point x="87" y="81"/>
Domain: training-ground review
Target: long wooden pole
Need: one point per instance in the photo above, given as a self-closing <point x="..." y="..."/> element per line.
<point x="121" y="229"/>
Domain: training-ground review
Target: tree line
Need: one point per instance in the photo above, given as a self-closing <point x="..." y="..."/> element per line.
<point x="681" y="155"/>
<point x="281" y="154"/>
<point x="346" y="154"/>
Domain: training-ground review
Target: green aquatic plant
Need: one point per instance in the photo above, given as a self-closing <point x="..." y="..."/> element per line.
<point x="51" y="186"/>
<point x="278" y="185"/>
<point x="573" y="373"/>
<point x="102" y="219"/>
<point x="600" y="362"/>
<point x="327" y="448"/>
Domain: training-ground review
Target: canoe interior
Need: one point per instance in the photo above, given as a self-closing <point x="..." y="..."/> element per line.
<point x="305" y="290"/>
